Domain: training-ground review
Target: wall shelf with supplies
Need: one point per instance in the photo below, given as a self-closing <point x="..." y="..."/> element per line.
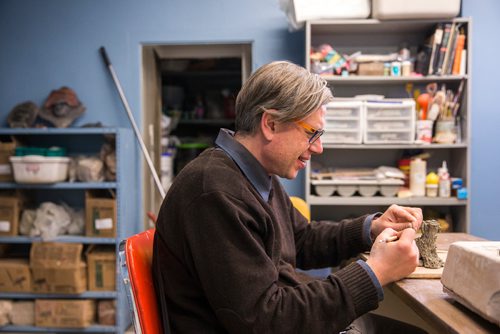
<point x="375" y="37"/>
<point x="16" y="246"/>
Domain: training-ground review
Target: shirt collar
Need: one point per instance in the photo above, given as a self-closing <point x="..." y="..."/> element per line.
<point x="247" y="163"/>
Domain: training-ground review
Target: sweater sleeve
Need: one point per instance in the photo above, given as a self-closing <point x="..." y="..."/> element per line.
<point x="327" y="243"/>
<point x="250" y="288"/>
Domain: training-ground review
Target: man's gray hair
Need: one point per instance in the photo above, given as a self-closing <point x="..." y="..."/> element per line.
<point x="291" y="90"/>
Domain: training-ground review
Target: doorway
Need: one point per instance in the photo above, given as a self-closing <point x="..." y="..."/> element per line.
<point x="188" y="94"/>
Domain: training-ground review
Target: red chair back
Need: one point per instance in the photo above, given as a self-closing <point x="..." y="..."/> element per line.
<point x="139" y="256"/>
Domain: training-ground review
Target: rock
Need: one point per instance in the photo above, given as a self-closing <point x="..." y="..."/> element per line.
<point x="471" y="275"/>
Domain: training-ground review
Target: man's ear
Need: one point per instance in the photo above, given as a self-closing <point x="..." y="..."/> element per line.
<point x="268" y="125"/>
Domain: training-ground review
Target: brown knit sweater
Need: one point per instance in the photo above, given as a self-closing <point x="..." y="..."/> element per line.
<point x="225" y="260"/>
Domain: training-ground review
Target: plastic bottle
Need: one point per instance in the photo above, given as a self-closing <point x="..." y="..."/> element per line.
<point x="432" y="184"/>
<point x="167" y="170"/>
<point x="418" y="171"/>
<point x="444" y="181"/>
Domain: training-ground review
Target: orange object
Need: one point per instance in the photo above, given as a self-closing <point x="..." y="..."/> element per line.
<point x="138" y="251"/>
<point x="458" y="54"/>
<point x="424" y="100"/>
<point x="302" y="206"/>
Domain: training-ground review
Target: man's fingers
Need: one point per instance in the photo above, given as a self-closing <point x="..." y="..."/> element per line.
<point x="407" y="234"/>
<point x="386" y="234"/>
<point x="405" y="214"/>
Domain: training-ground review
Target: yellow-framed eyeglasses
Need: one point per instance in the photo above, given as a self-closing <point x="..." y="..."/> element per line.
<point x="315" y="134"/>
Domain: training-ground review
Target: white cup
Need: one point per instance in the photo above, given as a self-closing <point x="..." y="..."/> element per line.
<point x="424" y="131"/>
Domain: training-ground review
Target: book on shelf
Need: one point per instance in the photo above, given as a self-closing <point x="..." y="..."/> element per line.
<point x="438" y="68"/>
<point x="447" y="46"/>
<point x="460" y="46"/>
<point x="463" y="62"/>
<point x="450" y="51"/>
<point x="436" y="43"/>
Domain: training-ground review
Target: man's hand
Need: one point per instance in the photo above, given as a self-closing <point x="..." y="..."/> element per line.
<point x="397" y="218"/>
<point x="392" y="261"/>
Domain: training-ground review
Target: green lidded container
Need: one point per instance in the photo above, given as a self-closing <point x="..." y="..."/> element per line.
<point x="53" y="151"/>
<point x="187" y="152"/>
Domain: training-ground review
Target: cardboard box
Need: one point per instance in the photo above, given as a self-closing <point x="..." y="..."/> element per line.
<point x="471" y="277"/>
<point x="6" y="151"/>
<point x="10" y="210"/>
<point x="371" y="68"/>
<point x="100" y="216"/>
<point x="15" y="275"/>
<point x="101" y="264"/>
<point x="23" y="313"/>
<point x="5" y="310"/>
<point x="106" y="312"/>
<point x="64" y="313"/>
<point x="58" y="267"/>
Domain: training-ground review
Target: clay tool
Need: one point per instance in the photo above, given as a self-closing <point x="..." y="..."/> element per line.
<point x="390" y="239"/>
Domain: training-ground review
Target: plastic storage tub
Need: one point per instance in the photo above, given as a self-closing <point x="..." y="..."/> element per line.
<point x="40" y="169"/>
<point x="422" y="9"/>
<point x="389" y="121"/>
<point x="344" y="121"/>
<point x="303" y="10"/>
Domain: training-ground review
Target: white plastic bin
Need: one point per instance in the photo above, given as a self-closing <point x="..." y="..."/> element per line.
<point x="299" y="11"/>
<point x="344" y="120"/>
<point x="40" y="169"/>
<point x="389" y="121"/>
<point x="422" y="9"/>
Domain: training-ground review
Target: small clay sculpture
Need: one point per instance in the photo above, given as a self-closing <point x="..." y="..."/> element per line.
<point x="62" y="107"/>
<point x="427" y="245"/>
<point x="23" y="115"/>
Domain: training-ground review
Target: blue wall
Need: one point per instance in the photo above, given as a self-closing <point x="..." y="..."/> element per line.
<point x="485" y="192"/>
<point x="51" y="43"/>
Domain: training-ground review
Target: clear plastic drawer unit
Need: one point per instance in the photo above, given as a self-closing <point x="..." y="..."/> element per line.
<point x="389" y="121"/>
<point x="344" y="121"/>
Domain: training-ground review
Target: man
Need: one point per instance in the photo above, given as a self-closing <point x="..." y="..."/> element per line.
<point x="228" y="239"/>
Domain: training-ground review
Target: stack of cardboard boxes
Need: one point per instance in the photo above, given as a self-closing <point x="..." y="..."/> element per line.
<point x="58" y="268"/>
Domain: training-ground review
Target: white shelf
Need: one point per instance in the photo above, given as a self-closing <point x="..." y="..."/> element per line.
<point x="385" y="201"/>
<point x="388" y="80"/>
<point x="394" y="146"/>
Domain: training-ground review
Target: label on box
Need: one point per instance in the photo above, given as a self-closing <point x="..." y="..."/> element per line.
<point x="4" y="226"/>
<point x="5" y="169"/>
<point x="103" y="224"/>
